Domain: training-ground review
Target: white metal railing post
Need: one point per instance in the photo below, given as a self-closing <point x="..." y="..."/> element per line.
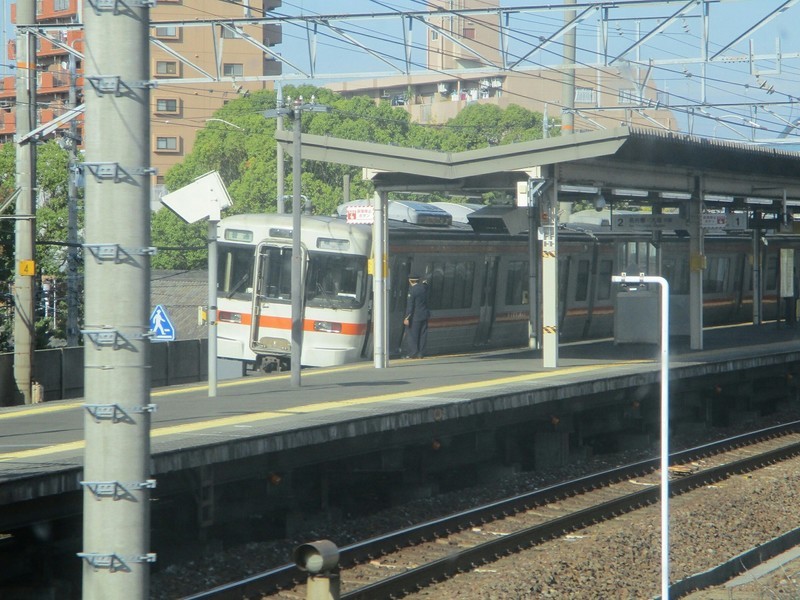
<point x="664" y="285"/>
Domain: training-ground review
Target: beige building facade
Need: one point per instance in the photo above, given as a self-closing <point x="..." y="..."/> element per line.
<point x="470" y="44"/>
<point x="603" y="99"/>
<point x="179" y="110"/>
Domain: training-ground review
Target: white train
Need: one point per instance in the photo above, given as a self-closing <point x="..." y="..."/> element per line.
<point x="478" y="284"/>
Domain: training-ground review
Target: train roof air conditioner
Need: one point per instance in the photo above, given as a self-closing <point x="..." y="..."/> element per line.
<point x="499" y="219"/>
<point x="419" y="213"/>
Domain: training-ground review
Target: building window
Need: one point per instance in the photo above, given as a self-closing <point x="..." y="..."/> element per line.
<point x="628" y="96"/>
<point x="61" y="5"/>
<point x="233" y="69"/>
<point x="167" y="144"/>
<point x="469" y="33"/>
<point x="167" y="32"/>
<point x="584" y="95"/>
<point x="227" y="33"/>
<point x="166" y="67"/>
<point x="167" y="105"/>
<point x="434" y="35"/>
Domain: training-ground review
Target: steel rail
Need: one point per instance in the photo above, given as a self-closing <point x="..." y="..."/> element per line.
<point x="287" y="576"/>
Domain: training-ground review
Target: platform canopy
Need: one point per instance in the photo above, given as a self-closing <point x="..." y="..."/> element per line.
<point x="622" y="158"/>
<point x="637" y="166"/>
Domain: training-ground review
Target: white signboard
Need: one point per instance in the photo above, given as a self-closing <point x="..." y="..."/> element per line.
<point x="647" y="221"/>
<point x="723" y="221"/>
<point x="360" y="215"/>
<point x="204" y="198"/>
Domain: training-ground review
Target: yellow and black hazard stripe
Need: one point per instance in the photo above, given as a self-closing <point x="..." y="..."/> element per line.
<point x="549" y="329"/>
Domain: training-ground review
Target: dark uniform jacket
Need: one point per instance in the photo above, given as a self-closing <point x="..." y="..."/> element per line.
<point x="417" y="304"/>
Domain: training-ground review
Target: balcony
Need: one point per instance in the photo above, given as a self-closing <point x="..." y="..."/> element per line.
<point x="53" y="82"/>
<point x="9" y="89"/>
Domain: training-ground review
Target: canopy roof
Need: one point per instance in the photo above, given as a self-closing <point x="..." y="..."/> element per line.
<point x="619" y="158"/>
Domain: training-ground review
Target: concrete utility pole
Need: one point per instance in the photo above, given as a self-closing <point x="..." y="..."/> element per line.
<point x="568" y="92"/>
<point x="25" y="213"/>
<point x="295" y="112"/>
<point x="73" y="294"/>
<point x="281" y="175"/>
<point x="116" y="497"/>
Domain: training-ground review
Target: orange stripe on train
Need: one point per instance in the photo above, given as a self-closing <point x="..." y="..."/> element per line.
<point x="285" y="323"/>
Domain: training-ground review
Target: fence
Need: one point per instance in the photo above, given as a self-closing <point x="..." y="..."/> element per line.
<point x="60" y="371"/>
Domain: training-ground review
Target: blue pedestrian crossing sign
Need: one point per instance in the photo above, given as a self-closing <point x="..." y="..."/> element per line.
<point x="160" y="326"/>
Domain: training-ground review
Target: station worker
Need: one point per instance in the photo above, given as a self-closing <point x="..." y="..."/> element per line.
<point x="416" y="317"/>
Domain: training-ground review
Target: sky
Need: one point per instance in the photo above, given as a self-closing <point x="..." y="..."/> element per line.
<point x="774" y="87"/>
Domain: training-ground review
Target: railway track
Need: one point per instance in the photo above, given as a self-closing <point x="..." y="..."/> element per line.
<point x="463" y="541"/>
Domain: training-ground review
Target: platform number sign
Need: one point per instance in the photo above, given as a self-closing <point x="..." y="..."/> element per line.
<point x="161" y="328"/>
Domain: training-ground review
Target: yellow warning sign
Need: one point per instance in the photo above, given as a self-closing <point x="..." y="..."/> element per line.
<point x="27" y="267"/>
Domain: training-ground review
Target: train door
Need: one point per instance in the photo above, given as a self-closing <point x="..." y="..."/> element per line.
<point x="564" y="272"/>
<point x="270" y="328"/>
<point x="398" y="293"/>
<point x="488" y="294"/>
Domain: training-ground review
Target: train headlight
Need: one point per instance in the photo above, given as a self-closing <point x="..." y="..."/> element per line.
<point x="327" y="327"/>
<point x="229" y="317"/>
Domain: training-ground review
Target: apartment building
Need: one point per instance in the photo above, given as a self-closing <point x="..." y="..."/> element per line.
<point x="179" y="110"/>
<point x="604" y="97"/>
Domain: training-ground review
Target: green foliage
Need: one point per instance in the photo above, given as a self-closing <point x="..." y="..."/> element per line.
<point x="239" y="143"/>
<point x="180" y="245"/>
<point x="52" y="185"/>
<point x="7" y="180"/>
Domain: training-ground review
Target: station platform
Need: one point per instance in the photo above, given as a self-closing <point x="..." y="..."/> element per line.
<point x="41" y="446"/>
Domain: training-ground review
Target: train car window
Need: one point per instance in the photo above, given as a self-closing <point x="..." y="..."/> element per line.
<point x="436" y="284"/>
<point x="563" y="278"/>
<point x="652" y="258"/>
<point x="771" y="276"/>
<point x="235" y="270"/>
<point x="448" y="284"/>
<point x="715" y="276"/>
<point x="398" y="284"/>
<point x="451" y="285"/>
<point x="604" y="273"/>
<point x="336" y="280"/>
<point x="582" y="281"/>
<point x="676" y="272"/>
<point x="463" y="284"/>
<point x="737" y="273"/>
<point x="517" y="283"/>
<point x="638" y="257"/>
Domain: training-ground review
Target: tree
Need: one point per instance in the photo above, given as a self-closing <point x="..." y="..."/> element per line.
<point x="239" y="143"/>
<point x="52" y="174"/>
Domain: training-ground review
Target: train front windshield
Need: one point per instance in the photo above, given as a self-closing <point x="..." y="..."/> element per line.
<point x="332" y="280"/>
<point x="235" y="271"/>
